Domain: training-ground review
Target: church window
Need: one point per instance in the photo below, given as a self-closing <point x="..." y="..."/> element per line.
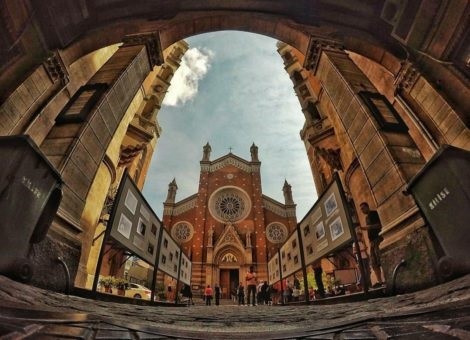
<point x="294" y="244"/>
<point x="165" y="243"/>
<point x="276" y="233"/>
<point x="229" y="204"/>
<point x="163" y="259"/>
<point x="182" y="231"/>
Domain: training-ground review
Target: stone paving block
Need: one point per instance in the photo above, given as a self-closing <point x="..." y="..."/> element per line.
<point x="59" y="330"/>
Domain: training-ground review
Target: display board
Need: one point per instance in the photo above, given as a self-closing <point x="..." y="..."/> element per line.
<point x="134" y="225"/>
<point x="170" y="254"/>
<point x="326" y="227"/>
<point x="185" y="269"/>
<point x="290" y="255"/>
<point x="273" y="269"/>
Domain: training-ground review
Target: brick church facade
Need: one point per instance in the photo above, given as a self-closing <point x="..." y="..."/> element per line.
<point x="229" y="225"/>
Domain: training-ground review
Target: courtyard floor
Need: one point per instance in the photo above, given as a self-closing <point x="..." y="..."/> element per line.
<point x="441" y="312"/>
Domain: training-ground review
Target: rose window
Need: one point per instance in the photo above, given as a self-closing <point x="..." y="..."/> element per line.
<point x="182" y="232"/>
<point x="229" y="204"/>
<point x="276" y="233"/>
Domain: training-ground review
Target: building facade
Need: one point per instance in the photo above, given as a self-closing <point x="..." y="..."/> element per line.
<point x="229" y="225"/>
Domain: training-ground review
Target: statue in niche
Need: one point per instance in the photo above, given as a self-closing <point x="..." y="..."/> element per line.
<point x="210" y="238"/>
<point x="331" y="156"/>
<point x="248" y="239"/>
<point x="150" y="104"/>
<point x="206" y="152"/>
<point x="229" y="258"/>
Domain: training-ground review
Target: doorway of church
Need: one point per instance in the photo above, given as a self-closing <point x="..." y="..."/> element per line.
<point x="229" y="280"/>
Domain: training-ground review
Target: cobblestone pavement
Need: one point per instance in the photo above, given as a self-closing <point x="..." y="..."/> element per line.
<point x="441" y="312"/>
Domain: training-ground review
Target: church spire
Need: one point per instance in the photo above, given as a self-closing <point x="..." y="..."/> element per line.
<point x="254" y="153"/>
<point x="287" y="190"/>
<point x="206" y="152"/>
<point x="172" y="187"/>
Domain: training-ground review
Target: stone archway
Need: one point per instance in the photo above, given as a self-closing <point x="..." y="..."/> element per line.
<point x="229" y="268"/>
<point x="359" y="27"/>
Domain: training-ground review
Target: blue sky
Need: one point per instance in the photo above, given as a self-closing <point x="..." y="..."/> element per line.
<point x="231" y="90"/>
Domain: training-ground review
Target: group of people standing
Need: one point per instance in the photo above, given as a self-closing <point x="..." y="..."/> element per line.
<point x="210" y="293"/>
<point x="259" y="292"/>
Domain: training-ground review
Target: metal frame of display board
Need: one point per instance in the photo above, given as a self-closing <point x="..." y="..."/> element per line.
<point x="133" y="234"/>
<point x="332" y="229"/>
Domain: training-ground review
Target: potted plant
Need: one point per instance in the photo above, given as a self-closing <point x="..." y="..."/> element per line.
<point x="107" y="282"/>
<point x="161" y="291"/>
<point x="121" y="285"/>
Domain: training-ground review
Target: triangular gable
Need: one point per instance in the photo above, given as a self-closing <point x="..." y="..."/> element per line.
<point x="229" y="237"/>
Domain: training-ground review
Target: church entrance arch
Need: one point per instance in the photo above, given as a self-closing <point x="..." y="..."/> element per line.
<point x="229" y="263"/>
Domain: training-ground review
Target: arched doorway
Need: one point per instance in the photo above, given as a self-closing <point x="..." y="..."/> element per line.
<point x="229" y="265"/>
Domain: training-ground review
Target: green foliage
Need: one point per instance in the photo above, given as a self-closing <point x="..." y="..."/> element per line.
<point x="107" y="281"/>
<point x="121" y="283"/>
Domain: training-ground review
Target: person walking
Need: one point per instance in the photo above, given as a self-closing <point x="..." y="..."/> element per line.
<point x="318" y="273"/>
<point x="265" y="293"/>
<point x="373" y="228"/>
<point x="241" y="294"/>
<point x="208" y="295"/>
<point x="361" y="254"/>
<point x="217" y="294"/>
<point x="250" y="279"/>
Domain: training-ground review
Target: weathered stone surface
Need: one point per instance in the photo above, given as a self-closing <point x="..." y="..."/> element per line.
<point x="449" y="301"/>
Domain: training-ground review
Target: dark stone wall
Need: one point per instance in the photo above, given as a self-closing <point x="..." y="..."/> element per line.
<point x="47" y="271"/>
<point x="418" y="251"/>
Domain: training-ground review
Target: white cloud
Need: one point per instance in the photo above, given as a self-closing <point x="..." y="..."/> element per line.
<point x="185" y="82"/>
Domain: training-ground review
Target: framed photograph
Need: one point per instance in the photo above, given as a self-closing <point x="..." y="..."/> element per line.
<point x="309" y="250"/>
<point x="384" y="112"/>
<point x="336" y="228"/>
<point x="306" y="230"/>
<point x="150" y="248"/>
<point x="130" y="202"/>
<point x="141" y="227"/>
<point x="125" y="226"/>
<point x="153" y="230"/>
<point x="330" y="204"/>
<point x="320" y="231"/>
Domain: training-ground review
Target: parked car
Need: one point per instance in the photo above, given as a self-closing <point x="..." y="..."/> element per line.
<point x="137" y="291"/>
